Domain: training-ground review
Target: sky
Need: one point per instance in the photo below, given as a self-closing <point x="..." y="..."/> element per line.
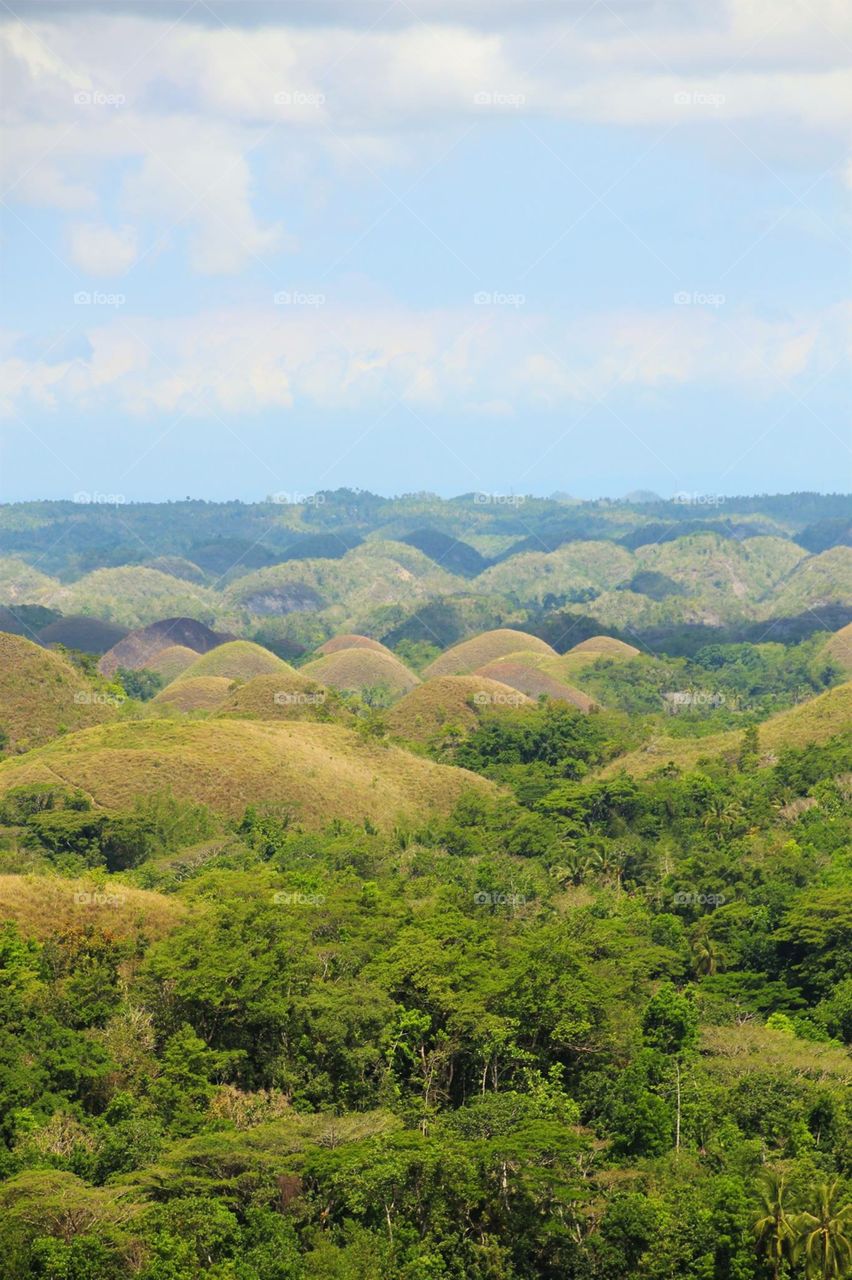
<point x="518" y="247"/>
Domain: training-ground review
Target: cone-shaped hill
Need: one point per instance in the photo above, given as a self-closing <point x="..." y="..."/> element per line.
<point x="288" y="696"/>
<point x="42" y="695"/>
<point x="354" y="670"/>
<point x="535" y="682"/>
<point x="138" y="647"/>
<point x="472" y="654"/>
<point x="450" y="701"/>
<point x="317" y="772"/>
<point x="336" y="643"/>
<point x="169" y="663"/>
<point x="236" y="660"/>
<point x="203" y="693"/>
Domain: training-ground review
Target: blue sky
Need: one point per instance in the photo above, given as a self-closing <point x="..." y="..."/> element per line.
<point x="251" y="248"/>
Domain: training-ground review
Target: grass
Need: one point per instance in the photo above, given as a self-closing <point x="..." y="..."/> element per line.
<point x="237" y="660"/>
<point x="353" y="670"/>
<point x="42" y="695"/>
<point x="535" y="683"/>
<point x="605" y="647"/>
<point x="138" y="648"/>
<point x="733" y="1053"/>
<point x="288" y="697"/>
<point x="46" y="905"/>
<point x="814" y="721"/>
<point x="470" y="655"/>
<point x="317" y="772"/>
<point x="202" y="693"/>
<point x="839" y="648"/>
<point x="449" y="700"/>
<point x="170" y="662"/>
<point x="353" y="642"/>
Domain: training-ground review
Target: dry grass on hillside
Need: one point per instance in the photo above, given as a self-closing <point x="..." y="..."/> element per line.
<point x="336" y="643"/>
<point x="316" y="771"/>
<point x="470" y="655"/>
<point x="358" y="669"/>
<point x="237" y="660"/>
<point x="816" y="720"/>
<point x="288" y="697"/>
<point x="605" y="647"/>
<point x="204" y="693"/>
<point x="732" y="1052"/>
<point x="450" y="700"/>
<point x="44" y="905"/>
<point x="169" y="663"/>
<point x="42" y="695"/>
<point x="839" y="648"/>
<point x="536" y="683"/>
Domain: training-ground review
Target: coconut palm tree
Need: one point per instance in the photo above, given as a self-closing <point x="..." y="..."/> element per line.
<point x="824" y="1234"/>
<point x="774" y="1227"/>
<point x="706" y="953"/>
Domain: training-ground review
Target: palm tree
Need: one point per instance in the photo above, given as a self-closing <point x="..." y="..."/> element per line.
<point x="774" y="1227"/>
<point x="824" y="1234"/>
<point x="706" y="955"/>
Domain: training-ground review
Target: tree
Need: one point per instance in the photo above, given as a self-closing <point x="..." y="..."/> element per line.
<point x="774" y="1227"/>
<point x="824" y="1238"/>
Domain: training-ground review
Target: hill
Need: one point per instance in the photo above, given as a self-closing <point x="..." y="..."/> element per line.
<point x="605" y="647"/>
<point x="178" y="567"/>
<point x="287" y="696"/>
<point x="814" y="721"/>
<point x="170" y="662"/>
<point x="42" y="695"/>
<point x="472" y="654"/>
<point x="89" y="635"/>
<point x="839" y="648"/>
<point x="140" y="646"/>
<point x="317" y="772"/>
<point x="534" y="682"/>
<point x="355" y="670"/>
<point x="133" y="596"/>
<point x="46" y="905"/>
<point x="450" y="701"/>
<point x="236" y="660"/>
<point x="20" y="583"/>
<point x="354" y="642"/>
<point x="579" y="566"/>
<point x="201" y="693"/>
<point x="815" y="581"/>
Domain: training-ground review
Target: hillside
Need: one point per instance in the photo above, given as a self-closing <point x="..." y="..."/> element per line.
<point x="42" y="695"/>
<point x="288" y="696"/>
<point x="89" y="635"/>
<point x="472" y="654"/>
<point x="839" y="648"/>
<point x="535" y="682"/>
<point x="579" y="566"/>
<point x="814" y="721"/>
<point x="450" y="702"/>
<point x="353" y="642"/>
<point x="356" y="670"/>
<point x="198" y="693"/>
<point x="133" y="597"/>
<point x="816" y="581"/>
<point x="236" y="660"/>
<point x="140" y="646"/>
<point x="316" y="772"/>
<point x="43" y="906"/>
<point x="170" y="662"/>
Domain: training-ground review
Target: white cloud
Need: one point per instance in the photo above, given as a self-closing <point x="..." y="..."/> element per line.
<point x="102" y="251"/>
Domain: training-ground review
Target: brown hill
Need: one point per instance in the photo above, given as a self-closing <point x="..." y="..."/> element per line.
<point x="336" y="643"/>
<point x="447" y="701"/>
<point x="535" y="683"/>
<point x="471" y="655"/>
<point x="138" y="647"/>
<point x="90" y="635"/>
<point x="169" y="663"/>
<point x="354" y="670"/>
<point x="237" y="660"/>
<point x="203" y="693"/>
<point x="42" y="695"/>
<point x="606" y="647"/>
<point x="317" y="772"/>
<point x="290" y="696"/>
<point x="839" y="648"/>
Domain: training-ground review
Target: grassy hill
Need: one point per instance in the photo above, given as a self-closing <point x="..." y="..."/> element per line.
<point x="318" y="772"/>
<point x="291" y="696"/>
<point x="133" y="596"/>
<point x="472" y="654"/>
<point x="450" y="701"/>
<point x="535" y="682"/>
<point x="839" y="648"/>
<point x="20" y="583"/>
<point x="354" y="670"/>
<point x="46" y="905"/>
<point x="815" y="581"/>
<point x="350" y="641"/>
<point x="170" y="662"/>
<point x="42" y="695"/>
<point x="814" y="721"/>
<point x="605" y="647"/>
<point x="138" y="647"/>
<point x="202" y="693"/>
<point x="236" y="660"/>
<point x="534" y="576"/>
